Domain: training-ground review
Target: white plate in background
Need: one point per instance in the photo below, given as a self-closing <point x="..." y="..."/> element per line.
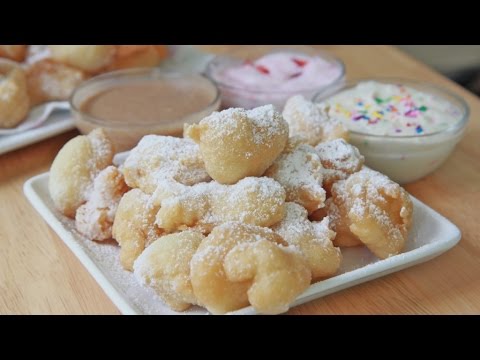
<point x="44" y="121"/>
<point x="431" y="235"/>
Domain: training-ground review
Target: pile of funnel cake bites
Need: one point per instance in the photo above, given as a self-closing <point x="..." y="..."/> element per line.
<point x="250" y="207"/>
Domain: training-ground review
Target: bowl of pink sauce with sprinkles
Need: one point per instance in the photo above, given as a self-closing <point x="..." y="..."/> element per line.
<point x="405" y="129"/>
<point x="274" y="76"/>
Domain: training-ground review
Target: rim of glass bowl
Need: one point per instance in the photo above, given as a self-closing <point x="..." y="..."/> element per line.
<point x="152" y="73"/>
<point x="323" y="54"/>
<point x="446" y="95"/>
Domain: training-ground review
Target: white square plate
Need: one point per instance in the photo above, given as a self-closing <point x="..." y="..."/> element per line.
<point x="431" y="235"/>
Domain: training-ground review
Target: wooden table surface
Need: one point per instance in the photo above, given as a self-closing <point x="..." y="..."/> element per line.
<point x="39" y="275"/>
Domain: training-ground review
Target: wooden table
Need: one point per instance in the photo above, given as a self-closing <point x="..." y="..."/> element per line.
<point x="39" y="275"/>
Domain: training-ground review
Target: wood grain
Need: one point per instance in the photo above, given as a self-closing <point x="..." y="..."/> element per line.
<point x="39" y="275"/>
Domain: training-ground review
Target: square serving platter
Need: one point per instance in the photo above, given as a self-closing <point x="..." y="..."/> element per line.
<point x="431" y="235"/>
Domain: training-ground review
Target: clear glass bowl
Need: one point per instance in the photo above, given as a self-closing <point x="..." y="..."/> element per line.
<point x="234" y="95"/>
<point x="126" y="135"/>
<point x="408" y="158"/>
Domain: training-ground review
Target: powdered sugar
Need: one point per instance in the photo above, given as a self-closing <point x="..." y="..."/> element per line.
<point x="265" y="123"/>
<point x="339" y="158"/>
<point x="252" y="200"/>
<point x="94" y="219"/>
<point x="157" y="158"/>
<point x="299" y="170"/>
<point x="295" y="227"/>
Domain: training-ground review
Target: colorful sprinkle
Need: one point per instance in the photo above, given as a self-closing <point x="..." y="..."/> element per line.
<point x="419" y="129"/>
<point x="300" y="62"/>
<point x="262" y="69"/>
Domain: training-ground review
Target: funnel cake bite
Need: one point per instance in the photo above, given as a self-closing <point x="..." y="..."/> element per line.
<point x="312" y="239"/>
<point x="89" y="58"/>
<point x="378" y="211"/>
<point x="236" y="143"/>
<point x="339" y="160"/>
<point x="13" y="52"/>
<point x="14" y="101"/>
<point x="48" y="81"/>
<point x="299" y="170"/>
<point x="134" y="225"/>
<point x="94" y="219"/>
<point x="165" y="266"/>
<point x="257" y="201"/>
<point x="74" y="169"/>
<point x="238" y="263"/>
<point x="311" y="121"/>
<point x="158" y="158"/>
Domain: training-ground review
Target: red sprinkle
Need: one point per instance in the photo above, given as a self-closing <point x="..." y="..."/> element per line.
<point x="262" y="69"/>
<point x="300" y="62"/>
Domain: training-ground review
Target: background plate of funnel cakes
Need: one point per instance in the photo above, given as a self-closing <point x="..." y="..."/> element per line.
<point x="47" y="75"/>
<point x="431" y="235"/>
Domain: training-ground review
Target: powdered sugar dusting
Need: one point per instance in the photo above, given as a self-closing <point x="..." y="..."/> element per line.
<point x="339" y="159"/>
<point x="94" y="219"/>
<point x="157" y="158"/>
<point x="265" y="120"/>
<point x="299" y="170"/>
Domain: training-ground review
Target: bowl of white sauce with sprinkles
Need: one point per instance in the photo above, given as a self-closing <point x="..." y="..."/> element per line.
<point x="404" y="128"/>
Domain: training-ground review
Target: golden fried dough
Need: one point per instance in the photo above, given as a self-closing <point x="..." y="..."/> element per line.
<point x="133" y="56"/>
<point x="277" y="274"/>
<point x="14" y="101"/>
<point x="339" y="160"/>
<point x="94" y="219"/>
<point x="257" y="201"/>
<point x="313" y="240"/>
<point x="13" y="52"/>
<point x="379" y="211"/>
<point x="165" y="266"/>
<point x="48" y="81"/>
<point x="89" y="58"/>
<point x="237" y="143"/>
<point x="339" y="222"/>
<point x="158" y="158"/>
<point x="220" y="292"/>
<point x="134" y="225"/>
<point x="299" y="170"/>
<point x="311" y="121"/>
<point x="76" y="165"/>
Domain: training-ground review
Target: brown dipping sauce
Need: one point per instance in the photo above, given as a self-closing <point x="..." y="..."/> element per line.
<point x="131" y="104"/>
<point x="148" y="102"/>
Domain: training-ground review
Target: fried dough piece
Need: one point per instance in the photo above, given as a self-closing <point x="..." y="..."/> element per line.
<point x="88" y="58"/>
<point x="237" y="143"/>
<point x="339" y="160"/>
<point x="165" y="266"/>
<point x="311" y="121"/>
<point x="299" y="170"/>
<point x="13" y="52"/>
<point x="313" y="239"/>
<point x="157" y="158"/>
<point x="278" y="274"/>
<point x="14" y="101"/>
<point x="49" y="81"/>
<point x="76" y="165"/>
<point x="133" y="56"/>
<point x="257" y="201"/>
<point x="94" y="219"/>
<point x="134" y="226"/>
<point x="379" y="211"/>
<point x="262" y="274"/>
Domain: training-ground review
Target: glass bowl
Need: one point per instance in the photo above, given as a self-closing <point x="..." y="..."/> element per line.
<point x="249" y="95"/>
<point x="408" y="158"/>
<point x="127" y="120"/>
